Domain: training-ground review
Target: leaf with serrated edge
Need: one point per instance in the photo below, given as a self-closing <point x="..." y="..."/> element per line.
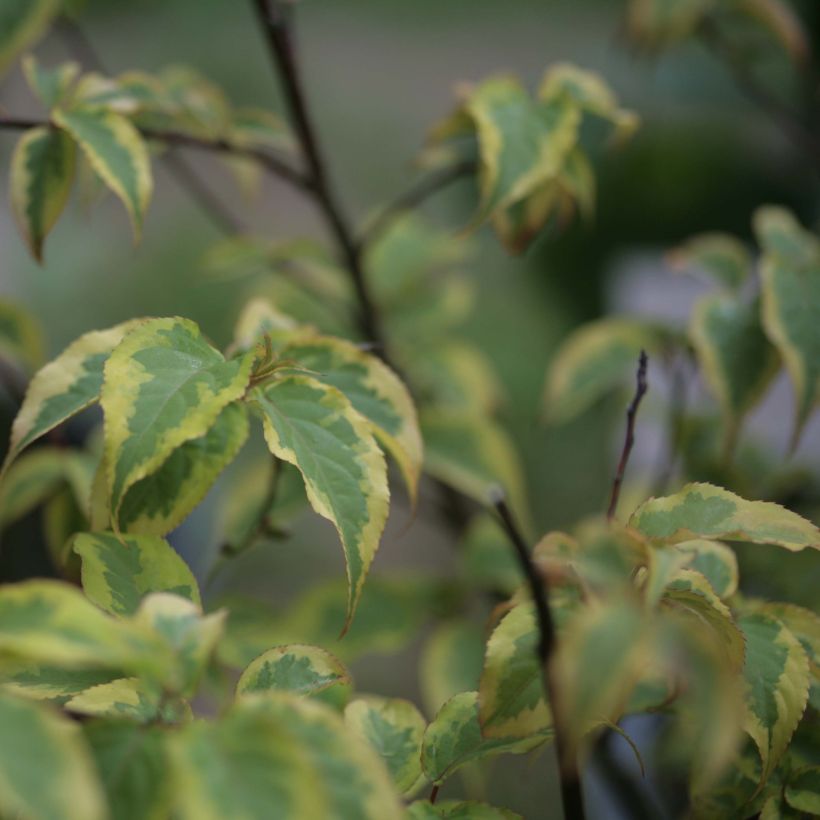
<point x="511" y="693"/>
<point x="37" y="740"/>
<point x="64" y="386"/>
<point x="394" y="728"/>
<point x="454" y="739"/>
<point x="118" y="572"/>
<point x="161" y="501"/>
<point x="314" y="427"/>
<point x="777" y="680"/>
<point x="164" y="386"/>
<point x="22" y="22"/>
<point x="374" y="390"/>
<point x="705" y="511"/>
<point x="117" y="152"/>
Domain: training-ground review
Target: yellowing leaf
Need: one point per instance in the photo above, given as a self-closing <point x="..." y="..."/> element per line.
<point x="22" y="23"/>
<point x="42" y="170"/>
<point x="63" y="387"/>
<point x="117" y="152"/>
<point x="705" y="511"/>
<point x="164" y="386"/>
<point x="118" y="572"/>
<point x="36" y="740"/>
<point x="313" y="426"/>
<point x="394" y="728"/>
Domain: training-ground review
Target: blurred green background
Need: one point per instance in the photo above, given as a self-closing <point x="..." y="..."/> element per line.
<point x="379" y="73"/>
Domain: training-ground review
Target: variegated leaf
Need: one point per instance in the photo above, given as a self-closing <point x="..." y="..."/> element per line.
<point x="29" y="482"/>
<point x="22" y="22"/>
<point x="301" y="669"/>
<point x="118" y="572"/>
<point x="721" y="258"/>
<point x="511" y="693"/>
<point x="313" y="426"/>
<point x="803" y="790"/>
<point x="454" y="739"/>
<point x="50" y="84"/>
<point x="706" y="511"/>
<point x="42" y="171"/>
<point x="777" y="680"/>
<point x="164" y="386"/>
<point x="63" y="387"/>
<point x="21" y="337"/>
<point x="374" y="390"/>
<point x="36" y="739"/>
<point x="715" y="561"/>
<point x="160" y="502"/>
<point x="117" y="152"/>
<point x="738" y="360"/>
<point x="124" y="698"/>
<point x="277" y="750"/>
<point x="395" y="729"/>
<point x="790" y="274"/>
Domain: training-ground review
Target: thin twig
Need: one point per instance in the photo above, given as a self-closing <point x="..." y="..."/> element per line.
<point x="434" y="793"/>
<point x="412" y="197"/>
<point x="631" y="412"/>
<point x="786" y="119"/>
<point x="274" y="19"/>
<point x="571" y="794"/>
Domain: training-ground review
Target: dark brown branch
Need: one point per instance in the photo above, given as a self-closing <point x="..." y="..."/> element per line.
<point x="571" y="794"/>
<point x="786" y="119"/>
<point x="274" y="19"/>
<point x="629" y="440"/>
<point x="412" y="197"/>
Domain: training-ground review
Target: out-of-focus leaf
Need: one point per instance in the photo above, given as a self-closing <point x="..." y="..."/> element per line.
<point x="803" y="790"/>
<point x="21" y="337"/>
<point x="29" y="482"/>
<point x="50" y="84"/>
<point x="22" y="23"/>
<point x="461" y="810"/>
<point x="719" y="257"/>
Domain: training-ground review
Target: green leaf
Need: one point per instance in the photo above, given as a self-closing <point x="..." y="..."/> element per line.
<point x="54" y="683"/>
<point x="394" y="728"/>
<point x="49" y="84"/>
<point x="454" y="739"/>
<point x="127" y="698"/>
<point x="29" y="482"/>
<point x="164" y="386"/>
<point x="63" y="387"/>
<point x="276" y="750"/>
<point x="657" y="23"/>
<point x="592" y="361"/>
<point x="705" y="511"/>
<point x="118" y="572"/>
<point x="720" y="258"/>
<point x="117" y="152"/>
<point x="511" y="694"/>
<point x="374" y="390"/>
<point x="790" y="274"/>
<point x="132" y="763"/>
<point x="777" y="680"/>
<point x="160" y="502"/>
<point x="22" y="23"/>
<point x="46" y="771"/>
<point x="803" y="790"/>
<point x="314" y="427"/>
<point x="42" y="171"/>
<point x="458" y="810"/>
<point x="715" y="561"/>
<point x="21" y="337"/>
<point x="301" y="669"/>
<point x="738" y="360"/>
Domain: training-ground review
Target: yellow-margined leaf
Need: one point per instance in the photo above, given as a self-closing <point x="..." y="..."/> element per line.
<point x="22" y="22"/>
<point x="164" y="386"/>
<point x="720" y="258"/>
<point x="705" y="511"/>
<point x="313" y="426"/>
<point x="21" y="337"/>
<point x="29" y="482"/>
<point x="715" y="561"/>
<point x="42" y="171"/>
<point x="126" y="698"/>
<point x="117" y="152"/>
<point x="50" y="84"/>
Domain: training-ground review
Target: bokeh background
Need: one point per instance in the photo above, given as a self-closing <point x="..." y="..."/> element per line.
<point x="379" y="73"/>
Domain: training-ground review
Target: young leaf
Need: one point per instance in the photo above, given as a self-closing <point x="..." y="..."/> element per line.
<point x="22" y="22"/>
<point x="511" y="700"/>
<point x="301" y="669"/>
<point x="715" y="561"/>
<point x="50" y="84"/>
<point x="118" y="572"/>
<point x="454" y="739"/>
<point x="160" y="502"/>
<point x="277" y="750"/>
<point x="133" y="766"/>
<point x="313" y="426"/>
<point x="721" y="258"/>
<point x="777" y="679"/>
<point x="738" y="360"/>
<point x="394" y="728"/>
<point x="374" y="390"/>
<point x="117" y="152"/>
<point x="45" y="768"/>
<point x="705" y="511"/>
<point x="63" y="387"/>
<point x="790" y="274"/>
<point x="42" y="171"/>
<point x="164" y="386"/>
